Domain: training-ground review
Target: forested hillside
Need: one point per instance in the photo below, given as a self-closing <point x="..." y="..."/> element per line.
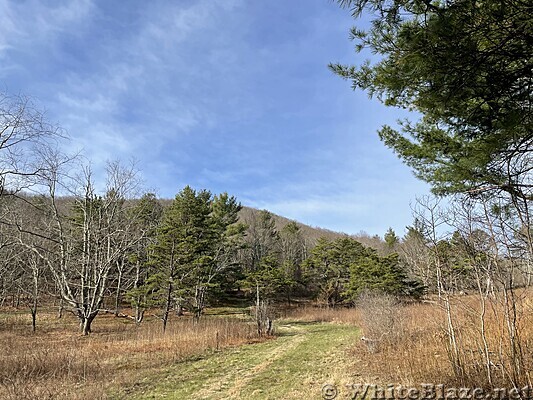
<point x="91" y="252"/>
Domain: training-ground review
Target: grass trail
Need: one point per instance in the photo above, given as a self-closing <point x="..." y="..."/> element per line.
<point x="293" y="366"/>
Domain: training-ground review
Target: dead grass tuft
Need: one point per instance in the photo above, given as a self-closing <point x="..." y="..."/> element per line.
<point x="312" y="313"/>
<point x="56" y="363"/>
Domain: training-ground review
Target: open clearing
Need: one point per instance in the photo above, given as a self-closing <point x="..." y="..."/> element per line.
<point x="295" y="365"/>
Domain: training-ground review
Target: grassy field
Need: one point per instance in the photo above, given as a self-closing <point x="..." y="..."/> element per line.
<point x="295" y="365"/>
<point x="57" y="362"/>
<point x="221" y="356"/>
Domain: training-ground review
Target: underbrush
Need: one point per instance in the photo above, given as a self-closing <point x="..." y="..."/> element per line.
<point x="410" y="343"/>
<point x="57" y="363"/>
<point x="312" y="313"/>
<point x="413" y="343"/>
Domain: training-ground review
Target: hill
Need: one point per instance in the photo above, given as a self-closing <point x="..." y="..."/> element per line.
<point x="312" y="234"/>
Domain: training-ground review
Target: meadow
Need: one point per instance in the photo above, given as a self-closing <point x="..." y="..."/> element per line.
<point x="221" y="356"/>
<point x="56" y="362"/>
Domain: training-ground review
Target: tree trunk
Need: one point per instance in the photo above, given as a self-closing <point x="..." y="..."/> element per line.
<point x="85" y="324"/>
<point x="140" y="298"/>
<point x="199" y="300"/>
<point x="167" y="306"/>
<point x="179" y="308"/>
<point x="35" y="298"/>
<point x="119" y="288"/>
<point x="33" y="311"/>
<point x="139" y="314"/>
<point x="483" y="330"/>
<point x="60" y="309"/>
<point x="455" y="354"/>
<point x="511" y="320"/>
<point x="264" y="323"/>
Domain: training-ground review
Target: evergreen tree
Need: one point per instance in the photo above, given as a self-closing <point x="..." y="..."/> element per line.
<point x="341" y="269"/>
<point x="181" y="249"/>
<point x="147" y="214"/>
<point x="196" y="243"/>
<point x="227" y="238"/>
<point x="381" y="274"/>
<point x="328" y="267"/>
<point x="391" y="239"/>
<point x="466" y="67"/>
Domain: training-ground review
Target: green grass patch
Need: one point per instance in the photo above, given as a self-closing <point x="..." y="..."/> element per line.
<point x="294" y="365"/>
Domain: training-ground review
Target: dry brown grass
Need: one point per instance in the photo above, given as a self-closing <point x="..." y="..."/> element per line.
<point x="416" y="354"/>
<point x="420" y="349"/>
<point x="312" y="313"/>
<point x="408" y="344"/>
<point x="58" y="363"/>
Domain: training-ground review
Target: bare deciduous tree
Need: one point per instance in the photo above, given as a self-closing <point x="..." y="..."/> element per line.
<point x="86" y="236"/>
<point x="23" y="133"/>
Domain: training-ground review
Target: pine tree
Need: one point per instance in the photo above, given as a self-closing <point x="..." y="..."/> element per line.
<point x="381" y="274"/>
<point x="195" y="245"/>
<point x="147" y="214"/>
<point x="391" y="239"/>
<point x="328" y="267"/>
<point x="466" y="68"/>
<point x="181" y="249"/>
<point x="226" y="235"/>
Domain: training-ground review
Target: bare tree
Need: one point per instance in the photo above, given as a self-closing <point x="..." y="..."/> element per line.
<point x="488" y="238"/>
<point x="102" y="235"/>
<point x="25" y="136"/>
<point x="434" y="221"/>
<point x="23" y="133"/>
<point x="8" y="252"/>
<point x="86" y="236"/>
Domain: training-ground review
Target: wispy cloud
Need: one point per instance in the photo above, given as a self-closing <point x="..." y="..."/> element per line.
<point x="32" y="23"/>
<point x="227" y="95"/>
<point x="152" y="95"/>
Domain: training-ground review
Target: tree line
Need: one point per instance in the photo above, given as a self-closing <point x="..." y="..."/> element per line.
<point x="96" y="243"/>
<point x="94" y="252"/>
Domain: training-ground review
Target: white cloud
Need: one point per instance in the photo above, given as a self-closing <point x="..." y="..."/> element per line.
<point x="82" y="107"/>
<point x="130" y="103"/>
<point x="9" y="29"/>
<point x="33" y="22"/>
<point x="229" y="95"/>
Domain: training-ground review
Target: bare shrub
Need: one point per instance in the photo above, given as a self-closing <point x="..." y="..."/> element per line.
<point x="420" y="351"/>
<point x="263" y="319"/>
<point x="380" y="320"/>
<point x="415" y="353"/>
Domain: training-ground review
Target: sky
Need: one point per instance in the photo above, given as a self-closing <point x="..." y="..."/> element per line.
<point x="226" y="95"/>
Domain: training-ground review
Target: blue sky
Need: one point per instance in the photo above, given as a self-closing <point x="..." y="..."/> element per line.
<point x="226" y="95"/>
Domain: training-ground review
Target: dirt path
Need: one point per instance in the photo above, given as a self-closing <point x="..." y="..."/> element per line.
<point x="293" y="366"/>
